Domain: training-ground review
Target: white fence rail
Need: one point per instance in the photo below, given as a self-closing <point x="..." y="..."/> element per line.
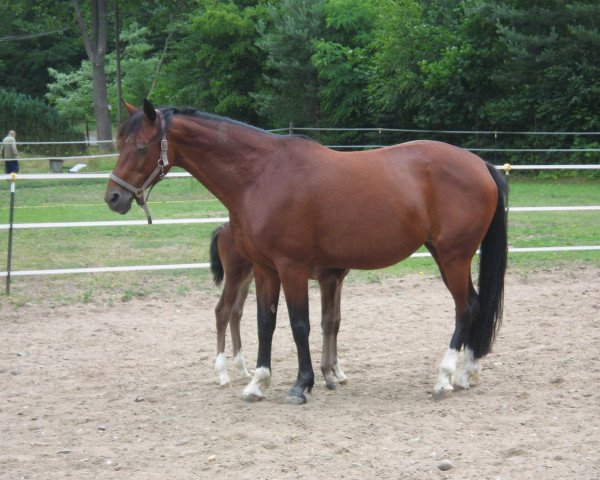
<point x="71" y="176"/>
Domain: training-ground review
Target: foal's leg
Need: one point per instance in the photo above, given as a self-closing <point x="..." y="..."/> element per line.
<point x="267" y="298"/>
<point x="238" y="275"/>
<point x="328" y="284"/>
<point x="234" y="324"/>
<point x="458" y="280"/>
<point x="222" y="316"/>
<point x="229" y="311"/>
<point x="341" y="376"/>
<point x="331" y="282"/>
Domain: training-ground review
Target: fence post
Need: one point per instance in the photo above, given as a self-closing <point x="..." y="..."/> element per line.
<point x="291" y="128"/>
<point x="13" y="181"/>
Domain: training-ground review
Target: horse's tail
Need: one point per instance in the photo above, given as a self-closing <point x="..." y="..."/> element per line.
<point x="216" y="266"/>
<point x="492" y="267"/>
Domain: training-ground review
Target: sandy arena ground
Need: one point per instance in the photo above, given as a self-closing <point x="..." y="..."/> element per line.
<point x="129" y="391"/>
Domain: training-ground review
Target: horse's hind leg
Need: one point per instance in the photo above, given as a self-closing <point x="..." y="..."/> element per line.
<point x="457" y="277"/>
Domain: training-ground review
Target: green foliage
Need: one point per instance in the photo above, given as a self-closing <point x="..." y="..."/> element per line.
<point x="36" y="36"/>
<point x="468" y="65"/>
<point x="405" y="40"/>
<point x="71" y="92"/>
<point x="343" y="61"/>
<point x="290" y="91"/>
<point x="33" y="120"/>
<point x="215" y="64"/>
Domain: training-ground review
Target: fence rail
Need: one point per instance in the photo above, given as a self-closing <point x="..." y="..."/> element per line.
<point x="71" y="176"/>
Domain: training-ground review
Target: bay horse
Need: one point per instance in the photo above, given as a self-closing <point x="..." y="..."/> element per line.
<point x="226" y="262"/>
<point x="295" y="205"/>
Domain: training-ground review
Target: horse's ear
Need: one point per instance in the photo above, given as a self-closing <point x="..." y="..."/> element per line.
<point x="149" y="110"/>
<point x="129" y="107"/>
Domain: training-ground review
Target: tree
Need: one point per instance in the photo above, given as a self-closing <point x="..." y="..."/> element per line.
<point x="95" y="44"/>
<point x="550" y="78"/>
<point x="34" y="120"/>
<point x="35" y="36"/>
<point x="405" y="39"/>
<point x="215" y="63"/>
<point x="458" y="82"/>
<point x="343" y="60"/>
<point x="70" y="91"/>
<point x="291" y="86"/>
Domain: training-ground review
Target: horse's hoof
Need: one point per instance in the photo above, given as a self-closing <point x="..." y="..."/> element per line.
<point x="252" y="397"/>
<point x="331" y="386"/>
<point x="343" y="381"/>
<point x="442" y="393"/>
<point x="294" y="400"/>
<point x="225" y="384"/>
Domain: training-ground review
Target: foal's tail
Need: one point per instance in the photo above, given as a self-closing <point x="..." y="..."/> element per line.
<point x="216" y="266"/>
<point x="492" y="267"/>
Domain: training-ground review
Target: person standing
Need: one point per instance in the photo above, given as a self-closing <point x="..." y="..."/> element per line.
<point x="10" y="153"/>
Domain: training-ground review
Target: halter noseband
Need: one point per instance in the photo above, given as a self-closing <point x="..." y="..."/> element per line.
<point x="159" y="171"/>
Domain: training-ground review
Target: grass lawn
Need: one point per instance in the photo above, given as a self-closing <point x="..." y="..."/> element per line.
<point x="82" y="200"/>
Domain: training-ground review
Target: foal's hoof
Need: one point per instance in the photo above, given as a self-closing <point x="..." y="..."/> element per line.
<point x="331" y="386"/>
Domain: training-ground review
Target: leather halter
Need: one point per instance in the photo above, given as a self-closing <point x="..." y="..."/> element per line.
<point x="159" y="172"/>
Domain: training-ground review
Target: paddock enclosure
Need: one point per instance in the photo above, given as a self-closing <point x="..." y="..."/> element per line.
<point x="112" y="389"/>
<point x="122" y="384"/>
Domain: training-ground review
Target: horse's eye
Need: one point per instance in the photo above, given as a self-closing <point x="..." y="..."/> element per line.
<point x="141" y="148"/>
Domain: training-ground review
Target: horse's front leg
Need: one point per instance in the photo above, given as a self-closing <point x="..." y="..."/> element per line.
<point x="267" y="298"/>
<point x="295" y="287"/>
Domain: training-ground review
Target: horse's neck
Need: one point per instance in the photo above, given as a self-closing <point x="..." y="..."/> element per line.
<point x="226" y="158"/>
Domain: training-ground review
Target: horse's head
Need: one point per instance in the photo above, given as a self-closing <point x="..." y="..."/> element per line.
<point x="142" y="159"/>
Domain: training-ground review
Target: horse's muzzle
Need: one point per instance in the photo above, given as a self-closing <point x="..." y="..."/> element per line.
<point x="118" y="200"/>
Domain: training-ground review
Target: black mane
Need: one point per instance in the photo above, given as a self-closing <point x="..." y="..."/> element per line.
<point x="133" y="123"/>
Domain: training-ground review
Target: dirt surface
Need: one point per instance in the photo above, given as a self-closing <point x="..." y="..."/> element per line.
<point x="128" y="390"/>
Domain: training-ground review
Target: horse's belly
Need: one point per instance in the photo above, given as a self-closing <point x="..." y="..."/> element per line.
<point x="364" y="249"/>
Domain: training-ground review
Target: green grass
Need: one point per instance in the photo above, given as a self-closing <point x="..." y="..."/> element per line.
<point x="82" y="200"/>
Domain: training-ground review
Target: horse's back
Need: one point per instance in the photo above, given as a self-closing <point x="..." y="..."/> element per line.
<point x="374" y="208"/>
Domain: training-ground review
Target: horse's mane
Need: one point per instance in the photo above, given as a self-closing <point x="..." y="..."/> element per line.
<point x="133" y="123"/>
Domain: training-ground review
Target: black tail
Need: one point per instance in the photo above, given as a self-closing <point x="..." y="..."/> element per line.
<point x="216" y="267"/>
<point x="492" y="267"/>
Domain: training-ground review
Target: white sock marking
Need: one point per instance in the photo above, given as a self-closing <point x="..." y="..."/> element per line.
<point x="447" y="369"/>
<point x="221" y="368"/>
<point x="469" y="373"/>
<point x="241" y="364"/>
<point x="256" y="389"/>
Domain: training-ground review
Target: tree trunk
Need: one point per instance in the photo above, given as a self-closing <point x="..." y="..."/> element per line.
<point x="95" y="46"/>
<point x="118" y="61"/>
<point x="101" y="112"/>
